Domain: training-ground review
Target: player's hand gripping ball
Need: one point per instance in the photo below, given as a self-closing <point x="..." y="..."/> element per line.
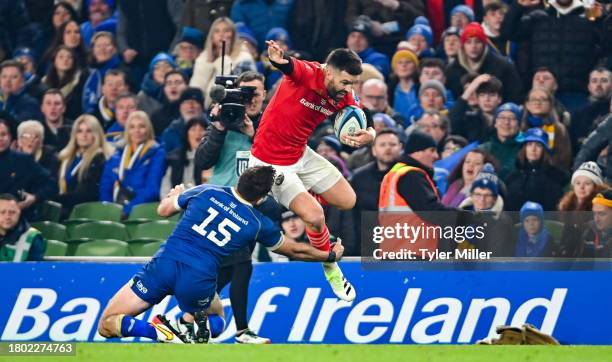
<point x="349" y="121"/>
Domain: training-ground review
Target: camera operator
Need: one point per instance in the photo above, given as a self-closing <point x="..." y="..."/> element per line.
<point x="226" y="149"/>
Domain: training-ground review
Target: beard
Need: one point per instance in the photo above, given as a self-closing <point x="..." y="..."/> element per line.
<point x="334" y="93"/>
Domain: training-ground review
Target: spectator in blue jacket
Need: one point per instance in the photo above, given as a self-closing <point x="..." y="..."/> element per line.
<point x="13" y="96"/>
<point x="261" y="15"/>
<point x="133" y="174"/>
<point x="104" y="57"/>
<point x="151" y="92"/>
<point x="101" y="18"/>
<point x="359" y="39"/>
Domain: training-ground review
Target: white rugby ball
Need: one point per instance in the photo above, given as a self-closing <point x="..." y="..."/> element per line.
<point x="348" y="121"/>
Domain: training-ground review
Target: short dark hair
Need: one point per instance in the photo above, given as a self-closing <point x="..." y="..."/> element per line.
<point x="249" y="76"/>
<point x="388" y="131"/>
<point x="432" y="63"/>
<point x="54" y="91"/>
<point x="461" y="141"/>
<point x="176" y="71"/>
<point x="467" y="78"/>
<point x="494" y="6"/>
<point x="256" y="182"/>
<point x="8" y="197"/>
<point x="12" y="63"/>
<point x="115" y="72"/>
<point x="493" y="85"/>
<point x="546" y="69"/>
<point x="346" y="60"/>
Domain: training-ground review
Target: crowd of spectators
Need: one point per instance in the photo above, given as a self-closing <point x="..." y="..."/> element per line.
<point x="108" y="100"/>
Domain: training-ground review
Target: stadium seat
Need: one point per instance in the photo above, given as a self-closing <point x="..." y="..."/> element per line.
<point x="50" y="211"/>
<point x="94" y="211"/>
<point x="147" y="212"/>
<point x="144" y="248"/>
<point x="102" y="247"/>
<point x="51" y="230"/>
<point x="81" y="233"/>
<point x="152" y="231"/>
<point x="56" y="248"/>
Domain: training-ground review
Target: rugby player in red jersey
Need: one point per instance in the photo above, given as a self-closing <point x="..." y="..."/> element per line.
<point x="309" y="93"/>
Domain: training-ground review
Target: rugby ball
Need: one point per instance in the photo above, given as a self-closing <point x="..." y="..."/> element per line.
<point x="348" y="121"/>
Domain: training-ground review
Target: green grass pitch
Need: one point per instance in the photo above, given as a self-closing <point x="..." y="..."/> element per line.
<point x="107" y="352"/>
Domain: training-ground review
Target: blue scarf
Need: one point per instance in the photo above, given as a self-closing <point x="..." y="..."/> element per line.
<point x="72" y="172"/>
<point x="535" y="121"/>
<point x="525" y="248"/>
<point x="92" y="90"/>
<point x="151" y="88"/>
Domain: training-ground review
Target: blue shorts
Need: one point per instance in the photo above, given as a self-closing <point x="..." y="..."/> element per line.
<point x="162" y="276"/>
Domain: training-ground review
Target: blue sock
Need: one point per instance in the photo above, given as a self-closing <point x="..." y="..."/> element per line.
<point x="132" y="327"/>
<point x="216" y="324"/>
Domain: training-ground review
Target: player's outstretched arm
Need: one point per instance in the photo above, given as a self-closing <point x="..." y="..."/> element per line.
<point x="167" y="206"/>
<point x="306" y="252"/>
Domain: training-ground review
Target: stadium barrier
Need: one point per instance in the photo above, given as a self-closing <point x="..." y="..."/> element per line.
<point x="292" y="303"/>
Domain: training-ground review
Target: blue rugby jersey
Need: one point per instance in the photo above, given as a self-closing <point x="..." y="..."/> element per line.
<point x="216" y="222"/>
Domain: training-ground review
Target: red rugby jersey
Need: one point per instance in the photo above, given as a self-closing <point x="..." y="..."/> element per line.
<point x="301" y="102"/>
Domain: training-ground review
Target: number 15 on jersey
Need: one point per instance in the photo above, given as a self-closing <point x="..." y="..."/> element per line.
<point x="222" y="228"/>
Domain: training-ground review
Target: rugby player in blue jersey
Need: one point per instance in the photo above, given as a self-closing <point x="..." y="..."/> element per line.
<point x="216" y="222"/>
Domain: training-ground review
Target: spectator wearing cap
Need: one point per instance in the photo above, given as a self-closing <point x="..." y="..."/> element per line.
<point x="450" y="44"/>
<point x="598" y="140"/>
<point x="30" y="140"/>
<point x="535" y="178"/>
<point x="281" y="37"/>
<point x="151" y="95"/>
<point x="191" y="105"/>
<point x="477" y="125"/>
<point x="114" y="84"/>
<point x="597" y="239"/>
<point x="539" y="112"/>
<point x="175" y="82"/>
<point x="494" y="13"/>
<point x="187" y="49"/>
<point x="145" y="28"/>
<point x="561" y="38"/>
<point x="432" y="98"/>
<point x="433" y="68"/>
<point x="330" y="148"/>
<point x="200" y="14"/>
<point x="476" y="57"/>
<point x="533" y="239"/>
<point x="27" y="58"/>
<point x="390" y="19"/>
<point x="504" y="143"/>
<point x="208" y="64"/>
<point x="596" y="110"/>
<point x="486" y="199"/>
<point x="586" y="183"/>
<point x="247" y="37"/>
<point x="420" y="40"/>
<point x="133" y="174"/>
<point x="403" y="80"/>
<point x="359" y="40"/>
<point x="461" y="15"/>
<point x="14" y="98"/>
<point x="101" y="18"/>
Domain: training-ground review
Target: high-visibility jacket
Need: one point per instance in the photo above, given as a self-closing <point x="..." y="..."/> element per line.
<point x="394" y="209"/>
